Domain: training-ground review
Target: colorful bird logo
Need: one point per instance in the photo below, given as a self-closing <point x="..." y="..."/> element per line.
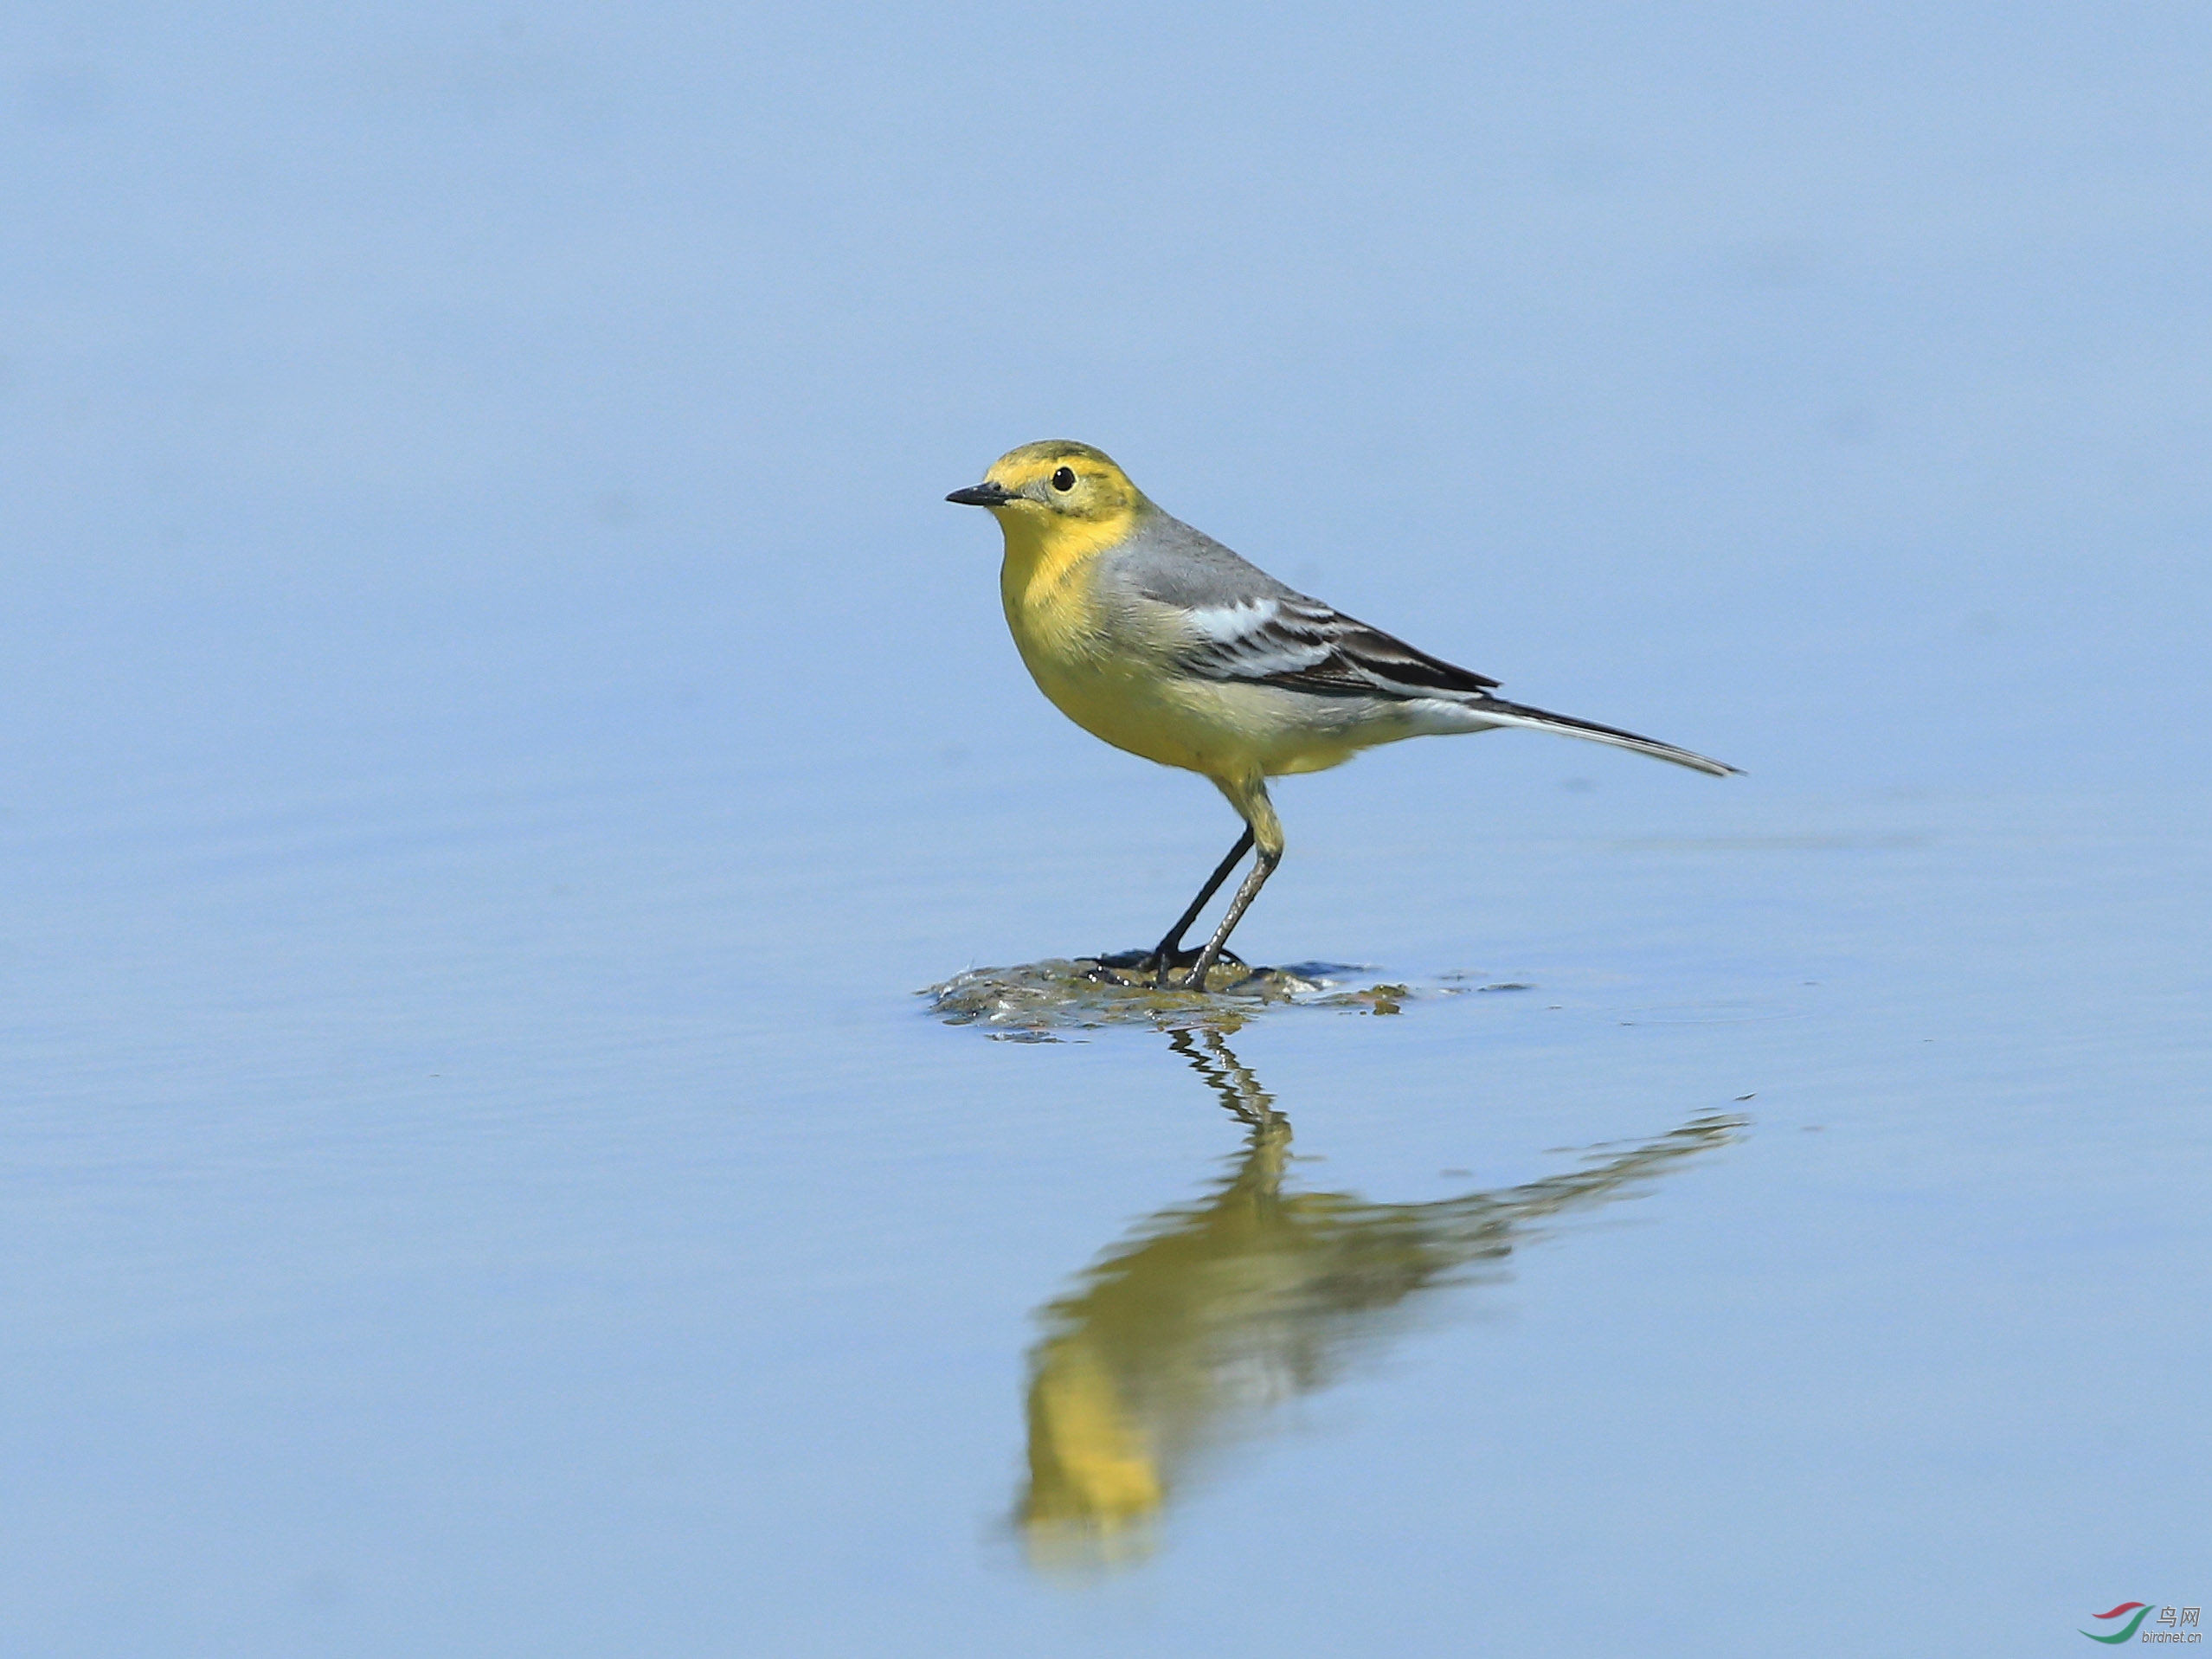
<point x="2140" y="1609"/>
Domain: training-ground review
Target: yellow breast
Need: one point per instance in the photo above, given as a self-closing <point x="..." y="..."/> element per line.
<point x="1091" y="661"/>
<point x="1046" y="584"/>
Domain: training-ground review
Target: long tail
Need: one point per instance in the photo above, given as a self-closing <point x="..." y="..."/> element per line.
<point x="1516" y="714"/>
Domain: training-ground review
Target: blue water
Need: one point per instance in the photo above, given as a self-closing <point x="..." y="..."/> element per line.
<point x="503" y="727"/>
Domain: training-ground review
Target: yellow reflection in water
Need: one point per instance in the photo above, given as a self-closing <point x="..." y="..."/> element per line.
<point x="1208" y="1314"/>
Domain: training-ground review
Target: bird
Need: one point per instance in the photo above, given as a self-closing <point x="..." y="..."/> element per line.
<point x="1155" y="637"/>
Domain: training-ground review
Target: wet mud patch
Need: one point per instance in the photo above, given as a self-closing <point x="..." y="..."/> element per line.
<point x="1040" y="1002"/>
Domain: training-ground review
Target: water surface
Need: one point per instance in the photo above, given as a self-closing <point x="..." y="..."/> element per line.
<point x="549" y="1221"/>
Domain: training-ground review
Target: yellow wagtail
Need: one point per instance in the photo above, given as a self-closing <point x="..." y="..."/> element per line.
<point x="1156" y="638"/>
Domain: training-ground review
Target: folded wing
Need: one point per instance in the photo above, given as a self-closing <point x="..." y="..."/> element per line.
<point x="1303" y="645"/>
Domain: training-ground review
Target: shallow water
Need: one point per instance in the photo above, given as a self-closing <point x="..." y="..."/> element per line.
<point x="490" y="1223"/>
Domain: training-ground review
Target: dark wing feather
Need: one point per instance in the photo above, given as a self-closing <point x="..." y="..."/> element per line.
<point x="1303" y="645"/>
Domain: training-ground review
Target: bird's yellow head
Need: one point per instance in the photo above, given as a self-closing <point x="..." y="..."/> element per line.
<point x="1057" y="494"/>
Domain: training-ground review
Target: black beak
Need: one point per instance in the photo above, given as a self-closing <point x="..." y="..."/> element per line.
<point x="982" y="495"/>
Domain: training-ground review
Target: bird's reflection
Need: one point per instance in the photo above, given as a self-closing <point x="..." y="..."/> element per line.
<point x="1183" y="1335"/>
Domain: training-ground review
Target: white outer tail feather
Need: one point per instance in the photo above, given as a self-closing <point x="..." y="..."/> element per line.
<point x="1495" y="711"/>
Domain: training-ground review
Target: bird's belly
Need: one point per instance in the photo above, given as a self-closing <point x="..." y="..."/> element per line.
<point x="1130" y="712"/>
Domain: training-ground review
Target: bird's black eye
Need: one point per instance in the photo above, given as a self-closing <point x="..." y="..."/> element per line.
<point x="1063" y="480"/>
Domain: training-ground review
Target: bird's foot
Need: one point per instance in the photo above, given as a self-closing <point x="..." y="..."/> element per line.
<point x="1196" y="978"/>
<point x="1161" y="968"/>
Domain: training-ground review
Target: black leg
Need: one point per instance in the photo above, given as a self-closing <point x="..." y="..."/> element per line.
<point x="1164" y="957"/>
<point x="1262" y="869"/>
